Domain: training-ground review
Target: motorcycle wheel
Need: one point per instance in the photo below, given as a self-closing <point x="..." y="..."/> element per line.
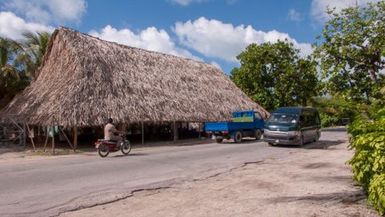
<point x="125" y="147"/>
<point x="103" y="150"/>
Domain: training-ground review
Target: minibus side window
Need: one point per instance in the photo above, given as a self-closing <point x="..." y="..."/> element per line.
<point x="317" y="119"/>
<point x="309" y="119"/>
<point x="301" y="120"/>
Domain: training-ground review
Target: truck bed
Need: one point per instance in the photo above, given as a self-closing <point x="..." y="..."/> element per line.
<point x="229" y="126"/>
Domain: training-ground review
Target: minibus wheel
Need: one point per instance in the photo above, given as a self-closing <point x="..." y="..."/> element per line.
<point x="301" y="141"/>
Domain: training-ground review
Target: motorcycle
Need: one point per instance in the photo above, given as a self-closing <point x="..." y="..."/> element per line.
<point x="104" y="147"/>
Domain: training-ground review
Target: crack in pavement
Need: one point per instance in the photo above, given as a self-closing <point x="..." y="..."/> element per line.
<point x="133" y="192"/>
<point x="228" y="171"/>
<point x="53" y="207"/>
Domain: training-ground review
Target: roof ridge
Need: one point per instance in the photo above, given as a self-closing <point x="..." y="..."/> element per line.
<point x="132" y="47"/>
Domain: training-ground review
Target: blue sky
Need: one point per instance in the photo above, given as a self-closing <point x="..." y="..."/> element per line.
<point x="214" y="31"/>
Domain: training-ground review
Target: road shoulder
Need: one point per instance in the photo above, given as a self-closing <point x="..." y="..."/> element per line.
<point x="314" y="181"/>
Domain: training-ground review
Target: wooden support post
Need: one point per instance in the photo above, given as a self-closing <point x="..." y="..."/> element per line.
<point x="142" y="133"/>
<point x="75" y="137"/>
<point x="66" y="137"/>
<point x="30" y="136"/>
<point x="53" y="140"/>
<point x="200" y="131"/>
<point x="175" y="131"/>
<point x="24" y="135"/>
<point x="46" y="140"/>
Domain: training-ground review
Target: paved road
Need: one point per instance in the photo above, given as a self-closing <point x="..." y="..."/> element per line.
<point x="48" y="187"/>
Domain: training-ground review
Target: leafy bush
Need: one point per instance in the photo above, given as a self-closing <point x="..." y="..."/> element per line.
<point x="368" y="162"/>
<point x="328" y="120"/>
<point x="376" y="192"/>
<point x="333" y="110"/>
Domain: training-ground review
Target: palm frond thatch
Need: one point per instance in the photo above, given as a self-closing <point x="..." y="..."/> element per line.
<point x="83" y="80"/>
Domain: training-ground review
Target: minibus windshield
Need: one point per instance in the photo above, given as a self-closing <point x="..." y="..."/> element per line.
<point x="283" y="118"/>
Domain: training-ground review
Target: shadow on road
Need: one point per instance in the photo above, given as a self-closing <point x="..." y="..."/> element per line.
<point x="317" y="165"/>
<point x="346" y="197"/>
<point x="131" y="155"/>
<point x="182" y="142"/>
<point x="332" y="178"/>
<point x="322" y="144"/>
<point x="6" y="149"/>
<point x="246" y="140"/>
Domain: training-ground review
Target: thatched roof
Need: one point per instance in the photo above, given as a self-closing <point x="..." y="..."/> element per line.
<point x="83" y="80"/>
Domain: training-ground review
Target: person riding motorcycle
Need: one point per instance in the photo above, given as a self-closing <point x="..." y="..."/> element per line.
<point x="111" y="133"/>
<point x="113" y="141"/>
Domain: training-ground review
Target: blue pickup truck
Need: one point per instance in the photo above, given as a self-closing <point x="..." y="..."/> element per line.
<point x="243" y="124"/>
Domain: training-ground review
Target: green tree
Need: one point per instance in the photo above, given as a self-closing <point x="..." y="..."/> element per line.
<point x="351" y="51"/>
<point x="274" y="75"/>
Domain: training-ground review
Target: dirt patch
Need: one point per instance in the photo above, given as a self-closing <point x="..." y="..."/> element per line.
<point x="310" y="182"/>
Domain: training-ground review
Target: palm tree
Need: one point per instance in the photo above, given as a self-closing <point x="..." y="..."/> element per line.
<point x="19" y="62"/>
<point x="9" y="50"/>
<point x="34" y="45"/>
<point x="12" y="79"/>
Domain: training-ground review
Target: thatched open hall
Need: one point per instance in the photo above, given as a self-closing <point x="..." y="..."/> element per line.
<point x="84" y="80"/>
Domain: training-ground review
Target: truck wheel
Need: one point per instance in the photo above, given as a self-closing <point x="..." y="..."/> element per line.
<point x="258" y="134"/>
<point x="219" y="140"/>
<point x="238" y="137"/>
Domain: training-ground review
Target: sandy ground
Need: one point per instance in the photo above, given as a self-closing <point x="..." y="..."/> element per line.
<point x="312" y="182"/>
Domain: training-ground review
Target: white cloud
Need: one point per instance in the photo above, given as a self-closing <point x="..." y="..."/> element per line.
<point x="186" y="2"/>
<point x="294" y="15"/>
<point x="216" y="39"/>
<point x="216" y="65"/>
<point x="12" y="26"/>
<point x="48" y="11"/>
<point x="319" y="7"/>
<point x="150" y="39"/>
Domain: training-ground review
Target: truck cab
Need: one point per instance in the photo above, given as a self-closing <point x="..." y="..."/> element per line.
<point x="243" y="124"/>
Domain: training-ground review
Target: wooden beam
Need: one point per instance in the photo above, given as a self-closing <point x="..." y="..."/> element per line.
<point x="66" y="137"/>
